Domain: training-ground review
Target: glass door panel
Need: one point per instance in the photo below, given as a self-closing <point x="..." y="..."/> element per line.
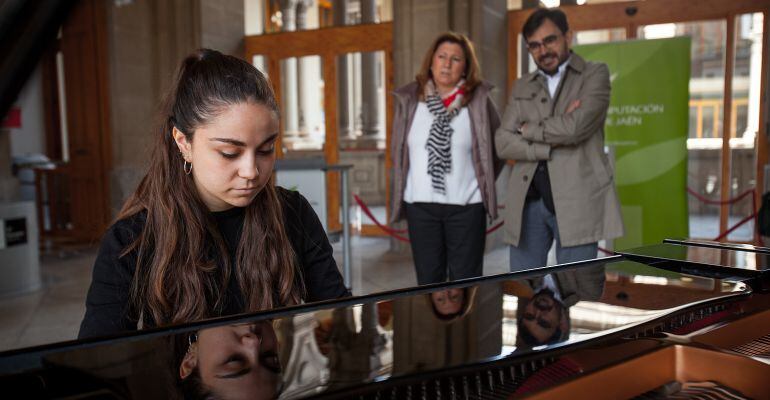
<point x="744" y="121"/>
<point x="361" y="116"/>
<point x="704" y="145"/>
<point x="599" y="36"/>
<point x="302" y="107"/>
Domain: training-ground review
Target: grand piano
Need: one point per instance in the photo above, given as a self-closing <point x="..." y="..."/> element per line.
<point x="679" y="319"/>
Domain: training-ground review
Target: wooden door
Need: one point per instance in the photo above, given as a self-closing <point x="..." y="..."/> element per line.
<point x="77" y="191"/>
<point x="328" y="43"/>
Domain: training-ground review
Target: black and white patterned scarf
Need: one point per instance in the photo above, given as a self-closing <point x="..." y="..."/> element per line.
<point x="439" y="144"/>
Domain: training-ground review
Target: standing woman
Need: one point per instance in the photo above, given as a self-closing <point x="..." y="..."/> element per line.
<point x="206" y="233"/>
<point x="444" y="161"/>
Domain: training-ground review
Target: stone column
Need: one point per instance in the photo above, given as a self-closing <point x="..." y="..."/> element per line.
<point x="488" y="29"/>
<point x="289" y="77"/>
<point x="355" y="354"/>
<point x="755" y="73"/>
<point x="355" y="78"/>
<point x="525" y="59"/>
<point x="222" y="25"/>
<point x="307" y="370"/>
<point x="416" y="23"/>
<point x="308" y="76"/>
<point x="340" y="11"/>
<point x="370" y="80"/>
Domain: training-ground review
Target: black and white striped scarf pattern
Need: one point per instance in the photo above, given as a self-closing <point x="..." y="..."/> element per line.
<point x="439" y="144"/>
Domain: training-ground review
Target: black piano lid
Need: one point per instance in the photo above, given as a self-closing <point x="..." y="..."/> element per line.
<point x="725" y="261"/>
<point x="343" y="344"/>
<point x="719" y="245"/>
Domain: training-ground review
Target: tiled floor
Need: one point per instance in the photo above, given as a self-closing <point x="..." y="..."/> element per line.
<point x="54" y="313"/>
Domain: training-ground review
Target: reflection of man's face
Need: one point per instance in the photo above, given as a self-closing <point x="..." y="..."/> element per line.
<point x="448" y="302"/>
<point x="541" y="316"/>
<point x="239" y="361"/>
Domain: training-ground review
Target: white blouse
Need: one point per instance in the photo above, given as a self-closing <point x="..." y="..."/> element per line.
<point x="462" y="188"/>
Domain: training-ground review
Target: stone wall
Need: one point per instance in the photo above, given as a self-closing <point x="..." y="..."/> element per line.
<point x="147" y="41"/>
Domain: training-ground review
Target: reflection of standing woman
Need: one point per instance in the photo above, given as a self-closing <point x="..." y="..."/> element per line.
<point x="444" y="161"/>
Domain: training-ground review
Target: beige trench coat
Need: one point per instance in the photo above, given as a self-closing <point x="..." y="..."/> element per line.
<point x="584" y="197"/>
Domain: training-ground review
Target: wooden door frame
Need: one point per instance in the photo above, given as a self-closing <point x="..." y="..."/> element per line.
<point x="89" y="16"/>
<point x="328" y="43"/>
<point x="632" y="14"/>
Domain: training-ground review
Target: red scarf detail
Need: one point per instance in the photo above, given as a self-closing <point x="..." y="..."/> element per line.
<point x="449" y="99"/>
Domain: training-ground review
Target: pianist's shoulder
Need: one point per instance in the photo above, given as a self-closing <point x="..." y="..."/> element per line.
<point x="295" y="205"/>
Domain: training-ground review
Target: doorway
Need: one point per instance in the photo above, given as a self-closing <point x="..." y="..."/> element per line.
<point x="320" y="54"/>
<point x="73" y="198"/>
<point x="727" y="142"/>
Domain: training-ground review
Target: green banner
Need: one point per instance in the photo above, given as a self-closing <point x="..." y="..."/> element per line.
<point x="646" y="130"/>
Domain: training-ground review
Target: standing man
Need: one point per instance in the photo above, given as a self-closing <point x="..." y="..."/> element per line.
<point x="561" y="186"/>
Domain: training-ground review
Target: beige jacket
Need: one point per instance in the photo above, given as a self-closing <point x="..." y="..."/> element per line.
<point x="484" y="122"/>
<point x="584" y="197"/>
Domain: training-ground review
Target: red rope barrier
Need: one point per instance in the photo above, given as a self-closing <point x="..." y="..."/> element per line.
<point x="605" y="251"/>
<point x="719" y="202"/>
<point x="730" y="201"/>
<point x="389" y="231"/>
<point x="395" y="232"/>
<point x="736" y="226"/>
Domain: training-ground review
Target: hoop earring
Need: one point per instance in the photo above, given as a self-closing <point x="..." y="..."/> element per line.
<point x="190" y="340"/>
<point x="187" y="166"/>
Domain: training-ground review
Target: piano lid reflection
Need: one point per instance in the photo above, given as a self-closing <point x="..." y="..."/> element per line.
<point x="606" y="328"/>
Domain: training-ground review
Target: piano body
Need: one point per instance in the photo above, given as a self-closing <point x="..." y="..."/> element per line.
<point x="674" y="319"/>
<point x="671" y="319"/>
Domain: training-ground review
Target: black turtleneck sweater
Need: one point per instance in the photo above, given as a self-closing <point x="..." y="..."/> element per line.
<point x="107" y="300"/>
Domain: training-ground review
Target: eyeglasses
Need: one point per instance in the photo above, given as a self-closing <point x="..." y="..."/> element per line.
<point x="548" y="41"/>
<point x="540" y="321"/>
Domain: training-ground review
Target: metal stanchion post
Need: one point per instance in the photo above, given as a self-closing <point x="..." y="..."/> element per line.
<point x="345" y="229"/>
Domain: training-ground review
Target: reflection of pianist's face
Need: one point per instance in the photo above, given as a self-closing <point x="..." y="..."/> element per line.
<point x="448" y="302"/>
<point x="541" y="316"/>
<point x="238" y="361"/>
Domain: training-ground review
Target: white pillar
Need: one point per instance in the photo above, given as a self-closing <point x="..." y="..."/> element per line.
<point x="309" y="78"/>
<point x="370" y="77"/>
<point x="339" y="10"/>
<point x="289" y="75"/>
<point x="755" y="77"/>
<point x="356" y="79"/>
<point x="255" y="17"/>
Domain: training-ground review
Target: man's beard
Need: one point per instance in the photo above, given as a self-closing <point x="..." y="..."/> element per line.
<point x="551" y="54"/>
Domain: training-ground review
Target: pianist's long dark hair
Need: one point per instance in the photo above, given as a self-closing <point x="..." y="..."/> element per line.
<point x="178" y="278"/>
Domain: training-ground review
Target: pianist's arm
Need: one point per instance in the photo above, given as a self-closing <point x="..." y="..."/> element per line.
<point x="320" y="274"/>
<point x="107" y="306"/>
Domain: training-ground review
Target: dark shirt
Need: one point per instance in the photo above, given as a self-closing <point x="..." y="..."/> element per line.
<point x="540" y="188"/>
<point x="107" y="308"/>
